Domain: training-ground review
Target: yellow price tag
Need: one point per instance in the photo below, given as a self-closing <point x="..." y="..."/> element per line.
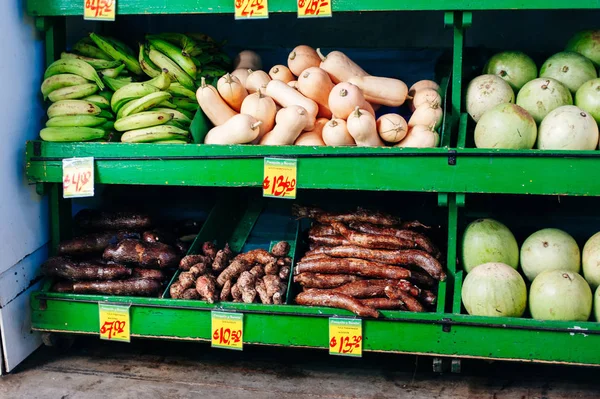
<point x="227" y="330"/>
<point x="345" y="337"/>
<point x="78" y="177"/>
<point x="99" y="10"/>
<point x="253" y="9"/>
<point x="114" y="322"/>
<point x="280" y="178"/>
<point x="314" y="8"/>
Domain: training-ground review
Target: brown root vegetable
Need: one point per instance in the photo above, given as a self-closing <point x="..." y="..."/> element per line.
<point x="422" y="279"/>
<point x="359" y="267"/>
<point x="315" y="256"/>
<point x="384" y="303"/>
<point x="272" y="268"/>
<point x="190" y="260"/>
<point x="261" y="289"/>
<point x="284" y="273"/>
<point x="159" y="235"/>
<point x="317" y="280"/>
<point x="332" y="300"/>
<point x="176" y="290"/>
<point x="372" y="240"/>
<point x="93" y="242"/>
<point x="69" y="269"/>
<point x="257" y="256"/>
<point x="421" y="240"/>
<point x="198" y="269"/>
<point x="210" y="250"/>
<point x="322" y="230"/>
<point x="236" y="294"/>
<point x="187" y="280"/>
<point x="428" y="297"/>
<point x="145" y="254"/>
<point x="190" y="293"/>
<point x="398" y="257"/>
<point x="149" y="273"/>
<point x="329" y="241"/>
<point x="258" y="271"/>
<point x="237" y="267"/>
<point x="205" y="285"/>
<point x="364" y="288"/>
<point x="407" y="286"/>
<point x="222" y="259"/>
<point x="361" y="215"/>
<point x="411" y="302"/>
<point x="225" y="291"/>
<point x="272" y="284"/>
<point x="282" y="248"/>
<point x="89" y="219"/>
<point x="128" y="287"/>
<point x="413" y="224"/>
<point x="247" y="285"/>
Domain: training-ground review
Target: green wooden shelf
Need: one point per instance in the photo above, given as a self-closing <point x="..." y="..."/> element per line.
<point x="75" y="7"/>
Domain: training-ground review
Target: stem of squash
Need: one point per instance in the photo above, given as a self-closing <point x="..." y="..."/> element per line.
<point x="255" y="125"/>
<point x="357" y="112"/>
<point x="323" y="58"/>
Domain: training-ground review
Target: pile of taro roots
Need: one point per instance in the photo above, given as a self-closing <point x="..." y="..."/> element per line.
<point x="364" y="261"/>
<point x="253" y="276"/>
<point x="118" y="254"/>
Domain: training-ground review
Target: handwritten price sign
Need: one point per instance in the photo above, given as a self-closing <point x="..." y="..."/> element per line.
<point x="227" y="330"/>
<point x="78" y="177"/>
<point x="99" y="10"/>
<point x="114" y="322"/>
<point x="253" y="9"/>
<point x="280" y="178"/>
<point x="345" y="337"/>
<point x="314" y="8"/>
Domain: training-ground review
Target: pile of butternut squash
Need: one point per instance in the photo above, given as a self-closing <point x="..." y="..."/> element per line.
<point x="317" y="100"/>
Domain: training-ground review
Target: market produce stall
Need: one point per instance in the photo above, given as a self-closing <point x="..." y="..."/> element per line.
<point x="395" y="261"/>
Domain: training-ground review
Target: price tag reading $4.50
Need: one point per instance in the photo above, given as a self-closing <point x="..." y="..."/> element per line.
<point x="280" y="178"/>
<point x="345" y="337"/>
<point x="314" y="8"/>
<point x="227" y="330"/>
<point x="99" y="10"/>
<point x="78" y="177"/>
<point x="114" y="322"/>
<point x="251" y="9"/>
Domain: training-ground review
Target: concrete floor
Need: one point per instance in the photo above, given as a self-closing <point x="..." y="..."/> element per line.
<point x="153" y="369"/>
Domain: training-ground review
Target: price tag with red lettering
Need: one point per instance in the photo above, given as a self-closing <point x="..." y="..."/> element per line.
<point x="251" y="9"/>
<point x="114" y="322"/>
<point x="314" y="8"/>
<point x="345" y="337"/>
<point x="78" y="177"/>
<point x="280" y="178"/>
<point x="227" y="330"/>
<point x="99" y="10"/>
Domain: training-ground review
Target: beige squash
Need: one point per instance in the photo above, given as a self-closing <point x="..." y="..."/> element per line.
<point x="362" y="126"/>
<point x="213" y="106"/>
<point x="316" y="84"/>
<point x="232" y="91"/>
<point x="262" y="108"/>
<point x="301" y="58"/>
<point x="289" y="123"/>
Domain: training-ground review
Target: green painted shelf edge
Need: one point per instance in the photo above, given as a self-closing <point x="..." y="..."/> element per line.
<point x="145" y="7"/>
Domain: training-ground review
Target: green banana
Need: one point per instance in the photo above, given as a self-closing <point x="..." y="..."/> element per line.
<point x="76" y="67"/>
<point x="115" y="84"/>
<point x="167" y="104"/>
<point x="175" y="54"/>
<point x="88" y="48"/>
<point x="113" y="72"/>
<point x="188" y="114"/>
<point x="201" y="37"/>
<point x="177" y="90"/>
<point x="106" y="94"/>
<point x="178" y="124"/>
<point x="154" y="133"/>
<point x="132" y="91"/>
<point x="222" y="58"/>
<point x="143" y="104"/>
<point x="186" y="43"/>
<point x="175" y="72"/>
<point x="71" y="134"/>
<point x="106" y="114"/>
<point x="95" y="62"/>
<point x="59" y="81"/>
<point x="72" y="107"/>
<point x="98" y="100"/>
<point x="177" y="115"/>
<point x="146" y="63"/>
<point x="142" y="120"/>
<point x="162" y="81"/>
<point x="75" y="120"/>
<point x="171" y="141"/>
<point x="185" y="103"/>
<point x="120" y="45"/>
<point x="107" y="126"/>
<point x="118" y="52"/>
<point x="73" y="92"/>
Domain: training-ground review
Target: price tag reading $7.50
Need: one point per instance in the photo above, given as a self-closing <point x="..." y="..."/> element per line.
<point x="280" y="178"/>
<point x="227" y="330"/>
<point x="78" y="177"/>
<point x="345" y="337"/>
<point x="251" y="9"/>
<point x="314" y="8"/>
<point x="99" y="10"/>
<point x="114" y="322"/>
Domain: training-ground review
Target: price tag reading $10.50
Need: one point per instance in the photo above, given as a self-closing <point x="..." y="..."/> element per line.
<point x="280" y="178"/>
<point x="314" y="8"/>
<point x="345" y="337"/>
<point x="251" y="9"/>
<point x="99" y="10"/>
<point x="227" y="330"/>
<point x="78" y="177"/>
<point x="114" y="322"/>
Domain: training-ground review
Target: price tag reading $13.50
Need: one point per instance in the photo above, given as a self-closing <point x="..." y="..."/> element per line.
<point x="345" y="337"/>
<point x="99" y="10"/>
<point x="280" y="178"/>
<point x="251" y="9"/>
<point x="114" y="322"/>
<point x="314" y="8"/>
<point x="227" y="330"/>
<point x="78" y="177"/>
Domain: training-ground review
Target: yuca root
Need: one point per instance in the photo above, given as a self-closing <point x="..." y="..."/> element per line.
<point x="359" y="267"/>
<point x="361" y="215"/>
<point x="318" y="280"/>
<point x="411" y="302"/>
<point x="384" y="303"/>
<point x="422" y="241"/>
<point x="334" y="300"/>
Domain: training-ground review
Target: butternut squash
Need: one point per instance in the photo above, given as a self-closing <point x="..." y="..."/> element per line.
<point x="316" y="84"/>
<point x="430" y="115"/>
<point x="231" y="90"/>
<point x="362" y="127"/>
<point x="335" y="133"/>
<point x="422" y="85"/>
<point x="289" y="123"/>
<point x="262" y="108"/>
<point x="213" y="106"/>
<point x="339" y="66"/>
<point x="302" y="57"/>
<point x="429" y="96"/>
<point x="287" y="96"/>
<point x="344" y="98"/>
<point x="241" y="74"/>
<point x="384" y="91"/>
<point x="293" y="84"/>
<point x="392" y="128"/>
<point x="420" y="136"/>
<point x="313" y="137"/>
<point x="281" y="72"/>
<point x="240" y="129"/>
<point x="247" y="59"/>
<point x="256" y="80"/>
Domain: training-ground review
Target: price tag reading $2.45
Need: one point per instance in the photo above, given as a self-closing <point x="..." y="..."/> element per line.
<point x="99" y="10"/>
<point x="227" y="330"/>
<point x="314" y="8"/>
<point x="280" y="178"/>
<point x="114" y="322"/>
<point x="78" y="177"/>
<point x="345" y="337"/>
<point x="251" y="9"/>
